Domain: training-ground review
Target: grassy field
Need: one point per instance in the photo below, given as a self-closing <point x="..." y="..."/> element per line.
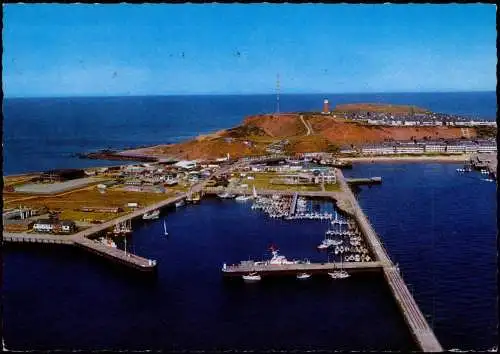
<point x="17" y="180"/>
<point x="332" y="187"/>
<point x="92" y="198"/>
<point x="263" y="181"/>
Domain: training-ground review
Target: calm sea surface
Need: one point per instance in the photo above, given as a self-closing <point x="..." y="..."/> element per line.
<point x="440" y="226"/>
<point x="41" y="134"/>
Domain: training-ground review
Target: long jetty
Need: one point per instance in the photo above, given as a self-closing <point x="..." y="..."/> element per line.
<point x="371" y="180"/>
<point x="293" y="205"/>
<point x="420" y="329"/>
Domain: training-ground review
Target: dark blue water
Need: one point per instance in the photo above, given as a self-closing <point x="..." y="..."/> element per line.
<point x="67" y="299"/>
<point x="441" y="228"/>
<point x="44" y="133"/>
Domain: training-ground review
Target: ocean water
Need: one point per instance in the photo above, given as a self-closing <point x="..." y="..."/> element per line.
<point x="441" y="227"/>
<point x="437" y="224"/>
<point x="45" y="133"/>
<point x="67" y="299"/>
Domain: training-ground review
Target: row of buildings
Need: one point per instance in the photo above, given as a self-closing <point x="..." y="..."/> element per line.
<point x="416" y="119"/>
<point x="423" y="148"/>
<point x="295" y="172"/>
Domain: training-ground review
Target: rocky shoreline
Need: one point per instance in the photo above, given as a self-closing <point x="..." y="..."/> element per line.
<point x="115" y="156"/>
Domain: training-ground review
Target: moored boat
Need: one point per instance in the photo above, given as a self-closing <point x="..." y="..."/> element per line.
<point x="243" y="198"/>
<point x="180" y="203"/>
<point x="303" y="276"/>
<point x="155" y="214"/>
<point x="251" y="277"/>
<point x="226" y="195"/>
<point x="339" y="274"/>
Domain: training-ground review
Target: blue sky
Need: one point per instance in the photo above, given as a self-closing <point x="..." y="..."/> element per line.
<point x="81" y="50"/>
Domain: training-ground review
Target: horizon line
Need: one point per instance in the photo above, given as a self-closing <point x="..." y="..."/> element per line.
<point x="241" y="94"/>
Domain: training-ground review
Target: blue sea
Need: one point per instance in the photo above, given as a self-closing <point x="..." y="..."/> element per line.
<point x="438" y="225"/>
<point x="45" y="133"/>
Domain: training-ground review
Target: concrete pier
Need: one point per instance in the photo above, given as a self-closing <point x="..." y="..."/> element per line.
<point x="36" y="238"/>
<point x="311" y="268"/>
<point x="420" y="329"/>
<point x="371" y="180"/>
<point x="293" y="205"/>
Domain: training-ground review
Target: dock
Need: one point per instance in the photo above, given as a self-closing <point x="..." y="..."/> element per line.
<point x="25" y="237"/>
<point x="371" y="180"/>
<point x="292" y="269"/>
<point x="293" y="205"/>
<point x="420" y="329"/>
<point x="116" y="255"/>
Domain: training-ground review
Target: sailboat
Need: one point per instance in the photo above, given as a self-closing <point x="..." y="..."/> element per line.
<point x="165" y="232"/>
<point x="254" y="193"/>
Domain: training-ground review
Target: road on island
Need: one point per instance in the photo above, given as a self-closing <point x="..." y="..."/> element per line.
<point x="308" y="127"/>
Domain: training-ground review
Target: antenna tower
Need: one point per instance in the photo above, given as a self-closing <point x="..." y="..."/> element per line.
<point x="278" y="93"/>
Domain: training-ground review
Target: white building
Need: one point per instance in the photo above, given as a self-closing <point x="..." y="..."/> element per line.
<point x="487" y="148"/>
<point x="186" y="164"/>
<point x="378" y="150"/>
<point x="409" y="149"/>
<point x="455" y="148"/>
<point x="436" y="148"/>
<point x="44" y="225"/>
<point x="347" y="151"/>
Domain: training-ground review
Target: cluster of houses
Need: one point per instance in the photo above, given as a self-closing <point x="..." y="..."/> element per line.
<point x="295" y="171"/>
<point x="416" y="119"/>
<point x="439" y="147"/>
<point x="54" y="226"/>
<point x="156" y="177"/>
<point x="49" y="225"/>
<point x="277" y="147"/>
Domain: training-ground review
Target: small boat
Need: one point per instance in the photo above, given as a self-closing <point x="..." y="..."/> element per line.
<point x="243" y="198"/>
<point x="180" y="203"/>
<point x="250" y="277"/>
<point x="226" y="195"/>
<point x="165" y="232"/>
<point x="155" y="214"/>
<point x="303" y="276"/>
<point x="339" y="274"/>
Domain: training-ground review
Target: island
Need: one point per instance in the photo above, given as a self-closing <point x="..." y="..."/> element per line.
<point x="347" y="129"/>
